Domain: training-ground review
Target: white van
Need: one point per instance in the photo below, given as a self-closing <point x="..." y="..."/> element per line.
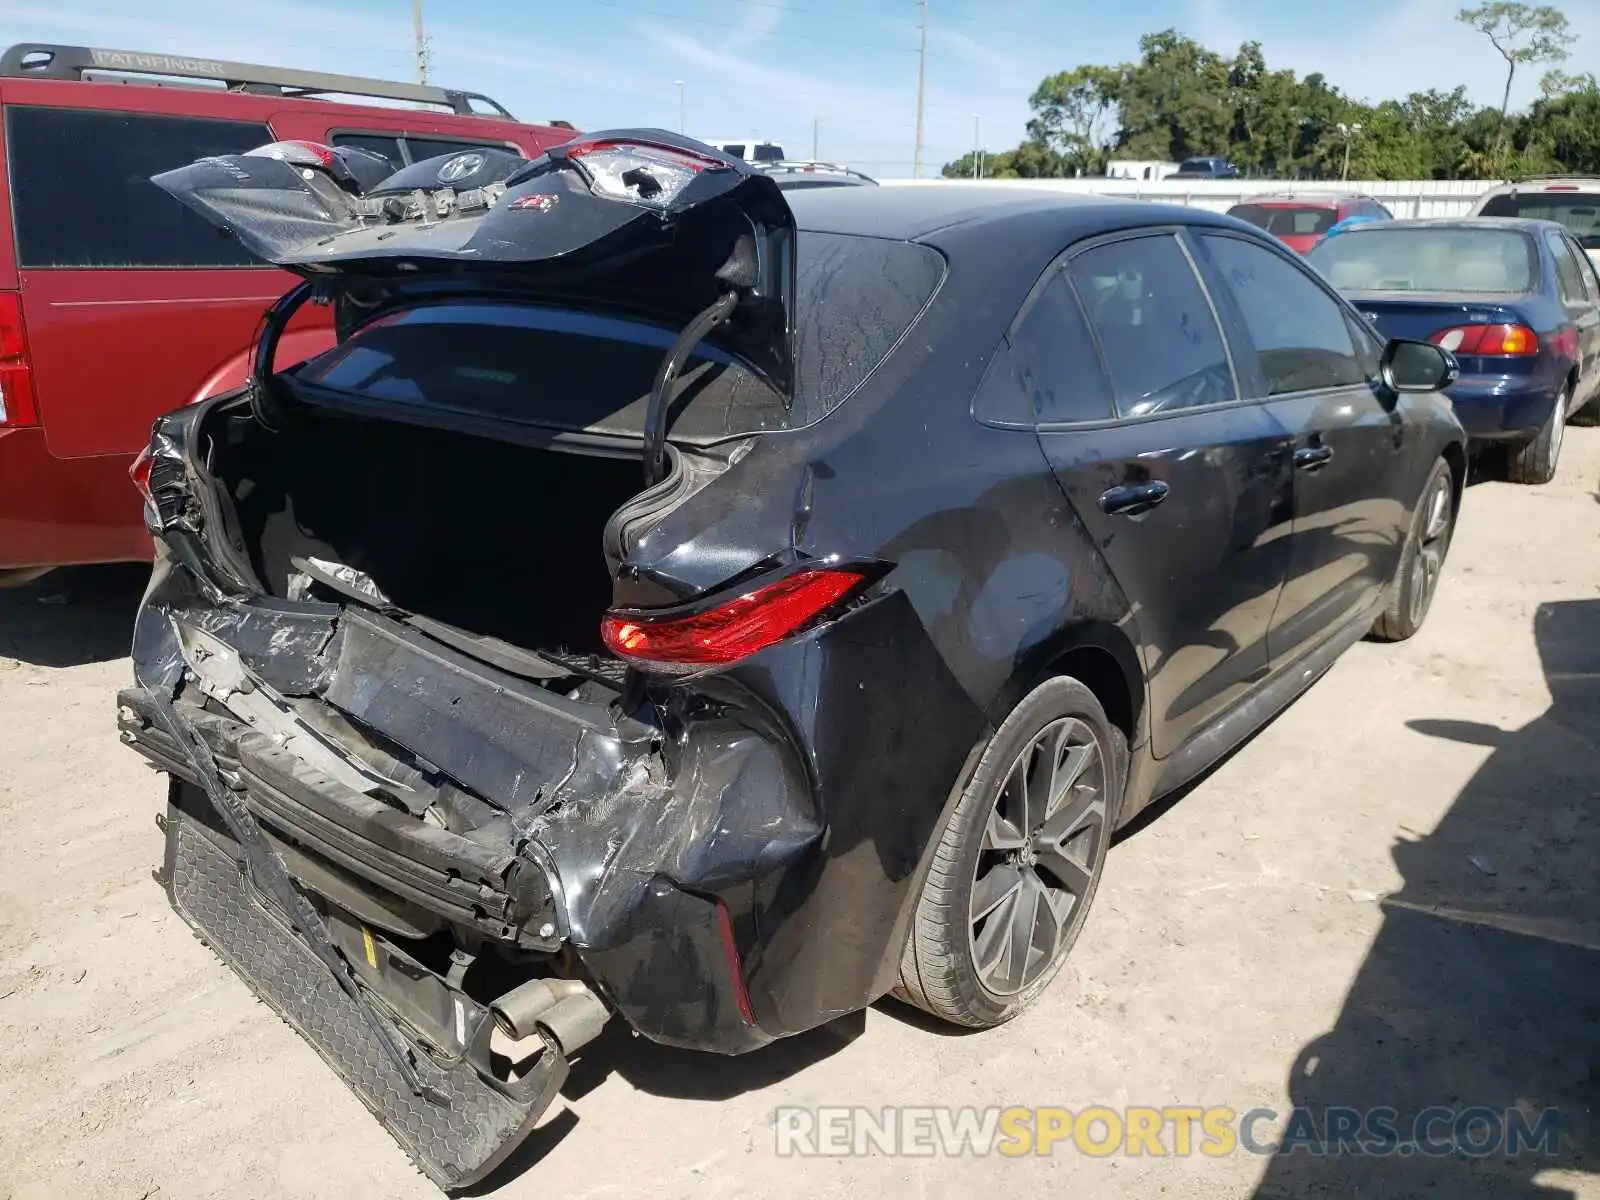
<point x="749" y="149"/>
<point x="1574" y="200"/>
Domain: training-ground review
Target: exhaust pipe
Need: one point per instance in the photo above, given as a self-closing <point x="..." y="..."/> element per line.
<point x="563" y="1008"/>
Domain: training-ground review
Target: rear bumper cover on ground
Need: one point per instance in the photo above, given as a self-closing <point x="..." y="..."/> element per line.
<point x="456" y="1141"/>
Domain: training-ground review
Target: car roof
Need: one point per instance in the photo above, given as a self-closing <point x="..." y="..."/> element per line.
<point x="911" y="212"/>
<point x="1517" y="224"/>
<point x="1307" y="198"/>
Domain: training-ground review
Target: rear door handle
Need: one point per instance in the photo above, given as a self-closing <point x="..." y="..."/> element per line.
<point x="1312" y="458"/>
<point x="1131" y="499"/>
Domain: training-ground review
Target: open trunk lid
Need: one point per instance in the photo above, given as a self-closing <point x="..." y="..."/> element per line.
<point x="637" y="221"/>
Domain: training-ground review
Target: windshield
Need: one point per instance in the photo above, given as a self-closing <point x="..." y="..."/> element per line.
<point x="1198" y="164"/>
<point x="1285" y="219"/>
<point x="1373" y="258"/>
<point x="767" y="152"/>
<point x="1578" y="211"/>
<point x="560" y="368"/>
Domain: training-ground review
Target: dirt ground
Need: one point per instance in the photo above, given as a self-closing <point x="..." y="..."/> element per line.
<point x="1387" y="898"/>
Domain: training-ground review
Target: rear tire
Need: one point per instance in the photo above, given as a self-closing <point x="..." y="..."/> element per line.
<point x="1028" y="839"/>
<point x="1535" y="461"/>
<point x="1421" y="559"/>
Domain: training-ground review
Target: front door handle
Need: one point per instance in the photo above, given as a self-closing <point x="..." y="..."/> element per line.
<point x="1312" y="458"/>
<point x="1131" y="499"/>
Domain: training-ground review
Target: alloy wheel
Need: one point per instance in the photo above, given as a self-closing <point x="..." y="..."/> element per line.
<point x="1042" y="845"/>
<point x="1432" y="543"/>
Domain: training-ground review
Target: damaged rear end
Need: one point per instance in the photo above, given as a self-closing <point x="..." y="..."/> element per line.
<point x="455" y="778"/>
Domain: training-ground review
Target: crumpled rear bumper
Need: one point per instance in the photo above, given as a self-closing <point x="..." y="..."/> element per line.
<point x="456" y="1141"/>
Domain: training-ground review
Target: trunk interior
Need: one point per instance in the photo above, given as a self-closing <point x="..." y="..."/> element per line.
<point x="497" y="538"/>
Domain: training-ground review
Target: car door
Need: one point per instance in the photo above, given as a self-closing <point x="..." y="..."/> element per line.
<point x="1575" y="280"/>
<point x="1300" y="350"/>
<point x="1183" y="488"/>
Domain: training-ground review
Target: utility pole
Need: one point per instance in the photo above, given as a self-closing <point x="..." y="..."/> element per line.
<point x="922" y="64"/>
<point x="422" y="42"/>
<point x="815" y="121"/>
<point x="977" y="171"/>
<point x="678" y="83"/>
<point x="1350" y="133"/>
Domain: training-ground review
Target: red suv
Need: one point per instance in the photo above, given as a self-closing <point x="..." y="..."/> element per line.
<point x="1300" y="219"/>
<point x="118" y="304"/>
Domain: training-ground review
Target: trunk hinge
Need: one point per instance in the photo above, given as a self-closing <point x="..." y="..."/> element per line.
<point x="657" y="417"/>
<point x="264" y="403"/>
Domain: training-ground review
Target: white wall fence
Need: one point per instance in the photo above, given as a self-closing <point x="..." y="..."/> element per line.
<point x="1403" y="197"/>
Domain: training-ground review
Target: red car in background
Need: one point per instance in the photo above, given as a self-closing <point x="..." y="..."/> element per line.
<point x="1299" y="219"/>
<point x="100" y="270"/>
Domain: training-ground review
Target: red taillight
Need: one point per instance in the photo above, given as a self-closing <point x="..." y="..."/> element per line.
<point x="733" y="630"/>
<point x="297" y="151"/>
<point x="17" y="405"/>
<point x="689" y="160"/>
<point x="1512" y="341"/>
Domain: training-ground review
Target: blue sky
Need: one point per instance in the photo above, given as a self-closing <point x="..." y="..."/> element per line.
<point x="770" y="67"/>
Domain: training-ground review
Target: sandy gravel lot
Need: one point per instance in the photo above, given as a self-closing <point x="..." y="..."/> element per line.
<point x="1389" y="897"/>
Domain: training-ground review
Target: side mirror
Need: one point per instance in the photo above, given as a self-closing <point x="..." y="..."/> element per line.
<point x="1417" y="366"/>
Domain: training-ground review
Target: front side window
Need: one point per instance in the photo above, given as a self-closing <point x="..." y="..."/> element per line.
<point x="1301" y="337"/>
<point x="81" y="194"/>
<point x="1155" y="327"/>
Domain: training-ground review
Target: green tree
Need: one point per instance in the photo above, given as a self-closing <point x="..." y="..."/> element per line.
<point x="1074" y="114"/>
<point x="1520" y="33"/>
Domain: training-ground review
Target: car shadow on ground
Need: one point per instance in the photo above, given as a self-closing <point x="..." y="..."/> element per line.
<point x="665" y="1071"/>
<point x="1482" y="988"/>
<point x="72" y="616"/>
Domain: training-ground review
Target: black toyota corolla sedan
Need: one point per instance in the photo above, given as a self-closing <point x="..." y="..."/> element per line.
<point x="678" y="602"/>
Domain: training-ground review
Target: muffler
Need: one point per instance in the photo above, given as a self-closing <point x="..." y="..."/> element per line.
<point x="563" y="1008"/>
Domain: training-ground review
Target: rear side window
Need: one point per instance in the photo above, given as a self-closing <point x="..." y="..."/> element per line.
<point x="1154" y="325"/>
<point x="384" y="147"/>
<point x="733" y="149"/>
<point x="81" y="193"/>
<point x="577" y="370"/>
<point x="1056" y="359"/>
<point x="1567" y="272"/>
<point x="422" y="148"/>
<point x="1300" y="333"/>
<point x="417" y="148"/>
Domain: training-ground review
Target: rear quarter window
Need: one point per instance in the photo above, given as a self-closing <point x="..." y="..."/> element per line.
<point x="81" y="194"/>
<point x="856" y="297"/>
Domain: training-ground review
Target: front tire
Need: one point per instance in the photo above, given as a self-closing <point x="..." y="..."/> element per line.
<point x="1588" y="415"/>
<point x="1019" y="862"/>
<point x="1535" y="461"/>
<point x="1421" y="559"/>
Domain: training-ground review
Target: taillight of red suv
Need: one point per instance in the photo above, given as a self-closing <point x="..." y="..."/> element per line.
<point x="17" y="406"/>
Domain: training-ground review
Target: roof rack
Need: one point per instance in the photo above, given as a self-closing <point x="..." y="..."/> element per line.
<point x="807" y="164"/>
<point x="37" y="61"/>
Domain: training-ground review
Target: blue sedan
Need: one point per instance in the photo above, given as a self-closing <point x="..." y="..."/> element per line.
<point x="1517" y="302"/>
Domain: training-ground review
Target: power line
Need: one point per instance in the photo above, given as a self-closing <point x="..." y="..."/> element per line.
<point x="922" y="64"/>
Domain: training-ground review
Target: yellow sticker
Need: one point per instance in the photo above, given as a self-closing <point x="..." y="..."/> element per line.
<point x="372" y="951"/>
